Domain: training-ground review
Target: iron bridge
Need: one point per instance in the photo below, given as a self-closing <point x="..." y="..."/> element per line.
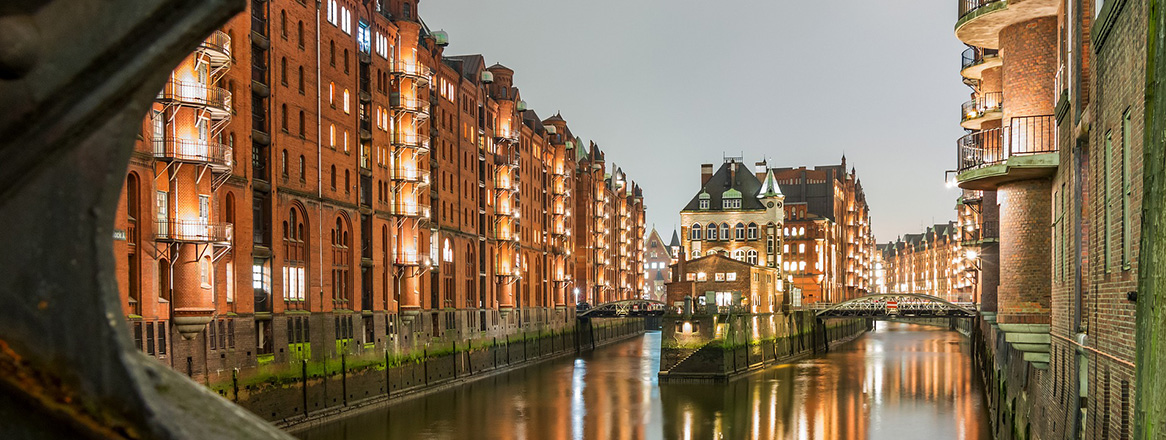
<point x="625" y="308"/>
<point x="896" y="305"/>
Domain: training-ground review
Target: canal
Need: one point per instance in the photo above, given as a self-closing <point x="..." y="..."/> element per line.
<point x="898" y="382"/>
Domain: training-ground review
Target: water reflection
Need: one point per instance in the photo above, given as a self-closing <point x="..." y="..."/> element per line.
<point x="899" y="382"/>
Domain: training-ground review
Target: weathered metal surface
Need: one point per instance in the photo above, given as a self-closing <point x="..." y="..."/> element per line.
<point x="76" y="78"/>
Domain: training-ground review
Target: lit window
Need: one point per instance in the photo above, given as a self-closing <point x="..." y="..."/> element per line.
<point x="346" y="101"/>
<point x="731" y="276"/>
<point x="332" y="135"/>
<point x="720" y="276"/>
<point x="702" y="276"/>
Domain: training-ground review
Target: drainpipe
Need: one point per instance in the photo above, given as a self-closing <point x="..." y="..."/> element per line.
<point x="319" y="158"/>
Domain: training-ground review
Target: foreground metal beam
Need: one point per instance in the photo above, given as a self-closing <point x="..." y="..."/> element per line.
<point x="908" y="305"/>
<point x="76" y="78"/>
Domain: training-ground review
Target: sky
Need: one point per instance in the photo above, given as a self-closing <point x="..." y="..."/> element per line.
<point x="666" y="85"/>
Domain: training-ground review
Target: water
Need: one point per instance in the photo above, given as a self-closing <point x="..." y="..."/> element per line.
<point x="899" y="382"/>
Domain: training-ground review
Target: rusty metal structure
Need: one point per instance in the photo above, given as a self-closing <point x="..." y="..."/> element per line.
<point x="76" y="77"/>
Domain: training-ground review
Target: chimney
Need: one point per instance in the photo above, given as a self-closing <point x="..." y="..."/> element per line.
<point x="760" y="168"/>
<point x="706" y="173"/>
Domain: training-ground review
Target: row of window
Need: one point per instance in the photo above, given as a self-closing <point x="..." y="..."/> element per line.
<point x="725" y="204"/>
<point x="719" y="276"/>
<point x="741" y="231"/>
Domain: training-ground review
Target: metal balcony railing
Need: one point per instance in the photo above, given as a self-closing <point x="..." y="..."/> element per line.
<point x="413" y="141"/>
<point x="217" y="47"/>
<point x="987" y="231"/>
<point x="981" y="105"/>
<point x="968" y="6"/>
<point x="976" y="55"/>
<point x="416" y="70"/>
<point x="418" y="210"/>
<point x="410" y="258"/>
<point x="414" y="105"/>
<point x="1022" y="136"/>
<point x="412" y="175"/>
<point x="218" y="156"/>
<point x="216" y="99"/>
<point x="193" y="231"/>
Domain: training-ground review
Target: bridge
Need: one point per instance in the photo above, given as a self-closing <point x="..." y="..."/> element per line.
<point x="626" y="308"/>
<point x="895" y="306"/>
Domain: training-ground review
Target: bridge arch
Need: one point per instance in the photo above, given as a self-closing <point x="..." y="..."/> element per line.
<point x="897" y="305"/>
<point x="627" y="307"/>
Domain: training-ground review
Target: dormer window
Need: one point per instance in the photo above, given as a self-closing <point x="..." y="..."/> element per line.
<point x="731" y="203"/>
<point x="704" y="204"/>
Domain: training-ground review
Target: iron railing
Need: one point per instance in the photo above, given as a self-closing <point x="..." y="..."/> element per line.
<point x="410" y="258"/>
<point x="976" y="55"/>
<point x="988" y="230"/>
<point x="981" y="105"/>
<point x="193" y="231"/>
<point x="193" y="93"/>
<point x="219" y="42"/>
<point x="416" y="105"/>
<point x="413" y="141"/>
<point x="411" y="69"/>
<point x="218" y="155"/>
<point x="1022" y="136"/>
<point x="968" y="6"/>
<point x="410" y="175"/>
<point x="417" y="209"/>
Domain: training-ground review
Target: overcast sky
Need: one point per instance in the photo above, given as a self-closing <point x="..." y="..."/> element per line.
<point x="665" y="85"/>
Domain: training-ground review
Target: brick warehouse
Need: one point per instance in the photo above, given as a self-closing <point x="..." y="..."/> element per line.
<point x="1051" y="168"/>
<point x="318" y="181"/>
<point x="812" y="224"/>
<point x="933" y="263"/>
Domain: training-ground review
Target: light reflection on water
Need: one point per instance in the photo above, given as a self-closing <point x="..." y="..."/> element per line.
<point x="899" y="382"/>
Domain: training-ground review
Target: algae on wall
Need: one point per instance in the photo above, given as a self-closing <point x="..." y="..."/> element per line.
<point x="1150" y="408"/>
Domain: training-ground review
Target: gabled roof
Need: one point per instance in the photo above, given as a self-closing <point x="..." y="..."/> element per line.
<point x="675" y="240"/>
<point x="732" y="179"/>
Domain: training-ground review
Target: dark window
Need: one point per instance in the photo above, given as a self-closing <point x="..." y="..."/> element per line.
<point x="150" y="339"/>
<point x="213" y="340"/>
<point x="138" y="335"/>
<point x="231" y="333"/>
<point x="162" y="338"/>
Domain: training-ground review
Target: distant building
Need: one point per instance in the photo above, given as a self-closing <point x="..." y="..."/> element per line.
<point x="657" y="259"/>
<point x="932" y="263"/>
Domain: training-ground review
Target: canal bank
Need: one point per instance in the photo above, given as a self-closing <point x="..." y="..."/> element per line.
<point x="311" y="392"/>
<point x="704" y="346"/>
<point x="896" y="382"/>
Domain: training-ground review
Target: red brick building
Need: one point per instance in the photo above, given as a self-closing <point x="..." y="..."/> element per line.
<point x="932" y="263"/>
<point x="322" y="179"/>
<point x="1052" y="177"/>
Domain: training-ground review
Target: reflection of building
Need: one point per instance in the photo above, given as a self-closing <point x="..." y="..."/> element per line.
<point x="657" y="259"/>
<point x="373" y="198"/>
<point x="932" y="263"/>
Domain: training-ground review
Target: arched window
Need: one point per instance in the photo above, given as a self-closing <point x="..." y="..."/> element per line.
<point x="295" y="256"/>
<point x="801" y="266"/>
<point x="283" y="24"/>
<point x="751" y="257"/>
<point x="163" y="279"/>
<point x="283" y="117"/>
<point x="302" y="167"/>
<point x="283" y="70"/>
<point x="345" y="100"/>
<point x="752" y="231"/>
<point x="447" y="252"/>
<point x="301" y="79"/>
<point x="739" y="230"/>
<point x="801" y="231"/>
<point x="283" y="163"/>
<point x="725" y="231"/>
<point x="302" y="123"/>
<point x="739" y="255"/>
<point x="345" y="60"/>
<point x="407" y="10"/>
<point x="695" y="232"/>
<point x="133" y="205"/>
<point x="341" y="263"/>
<point x="300" y="33"/>
<point x="347" y="182"/>
<point x="332" y="136"/>
<point x="333" y="177"/>
<point x="712" y="231"/>
<point x="332" y="52"/>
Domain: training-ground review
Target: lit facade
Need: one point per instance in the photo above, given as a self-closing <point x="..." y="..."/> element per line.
<point x="302" y="195"/>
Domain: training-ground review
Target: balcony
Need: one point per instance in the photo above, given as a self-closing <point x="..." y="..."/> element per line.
<point x="410" y="210"/>
<point x="504" y="186"/>
<point x="192" y="94"/>
<point x="506" y="236"/>
<point x="417" y="106"/>
<point x="217" y="49"/>
<point x="988" y="232"/>
<point x="193" y="231"/>
<point x="980" y="21"/>
<point x="416" y="71"/>
<point x="504" y="211"/>
<point x="217" y="155"/>
<point x="410" y="258"/>
<point x="976" y="60"/>
<point x="411" y="175"/>
<point x="1025" y="148"/>
<point x="411" y="141"/>
<point x="984" y="108"/>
